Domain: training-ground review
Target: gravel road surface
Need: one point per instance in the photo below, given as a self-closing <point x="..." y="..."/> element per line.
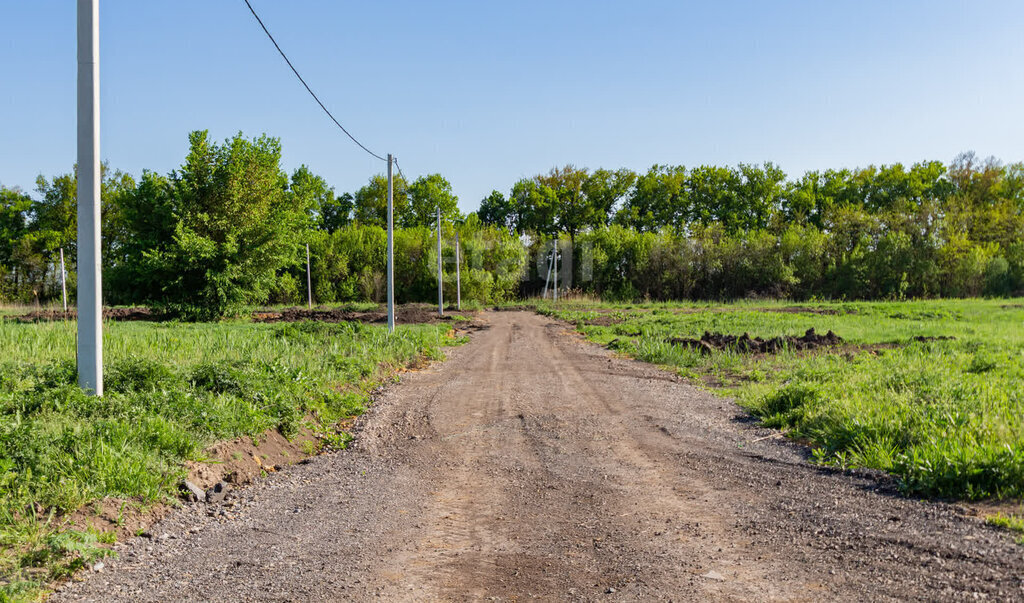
<point x="533" y="465"/>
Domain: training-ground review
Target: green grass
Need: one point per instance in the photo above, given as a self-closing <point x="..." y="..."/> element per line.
<point x="1012" y="523"/>
<point x="946" y="417"/>
<point x="171" y="391"/>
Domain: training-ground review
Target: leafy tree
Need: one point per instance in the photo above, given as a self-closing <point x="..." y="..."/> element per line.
<point x="758" y="195"/>
<point x="537" y="205"/>
<point x="573" y="211"/>
<point x="658" y="199"/>
<point x="370" y="203"/>
<point x="232" y="227"/>
<point x="496" y="210"/>
<point x="14" y="214"/>
<point x="311" y="191"/>
<point x="428" y="193"/>
<point x="336" y="212"/>
<point x="604" y="190"/>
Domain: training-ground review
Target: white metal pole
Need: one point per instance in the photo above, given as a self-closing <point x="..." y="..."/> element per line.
<point x="440" y="272"/>
<point x="391" y="249"/>
<point x="458" y="275"/>
<point x="90" y="286"/>
<point x="547" y="279"/>
<point x="309" y="281"/>
<point x="554" y="261"/>
<point x="63" y="282"/>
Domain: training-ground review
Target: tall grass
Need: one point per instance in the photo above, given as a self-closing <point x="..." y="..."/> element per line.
<point x="945" y="416"/>
<point x="172" y="390"/>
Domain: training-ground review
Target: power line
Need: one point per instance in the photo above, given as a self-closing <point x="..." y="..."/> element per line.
<point x="395" y="159"/>
<point x="308" y="89"/>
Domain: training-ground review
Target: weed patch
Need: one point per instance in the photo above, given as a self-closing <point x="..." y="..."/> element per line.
<point x="930" y="391"/>
<point x="172" y="391"/>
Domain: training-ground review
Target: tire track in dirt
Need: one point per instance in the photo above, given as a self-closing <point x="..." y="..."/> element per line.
<point x="534" y="465"/>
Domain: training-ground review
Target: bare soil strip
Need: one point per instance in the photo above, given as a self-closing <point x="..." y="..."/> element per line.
<point x="404" y="314"/>
<point x="534" y="465"/>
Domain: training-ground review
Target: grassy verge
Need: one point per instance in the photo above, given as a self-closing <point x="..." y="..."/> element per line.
<point x="172" y="390"/>
<point x="945" y="416"/>
<point x="1012" y="523"/>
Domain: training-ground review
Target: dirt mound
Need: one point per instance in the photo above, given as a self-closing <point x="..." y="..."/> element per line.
<point x="746" y="344"/>
<point x="138" y="313"/>
<point x="930" y="338"/>
<point x="800" y="310"/>
<point x="412" y="314"/>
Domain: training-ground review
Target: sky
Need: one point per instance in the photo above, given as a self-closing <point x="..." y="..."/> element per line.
<point x="486" y="93"/>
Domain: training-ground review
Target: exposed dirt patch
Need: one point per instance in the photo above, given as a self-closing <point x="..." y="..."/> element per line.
<point x="711" y="342"/>
<point x="515" y="308"/>
<point x="605" y="320"/>
<point x="125" y="517"/>
<point x="607" y="317"/>
<point x="137" y="313"/>
<point x="237" y="462"/>
<point x="721" y="310"/>
<point x="406" y="314"/>
<point x="931" y="338"/>
<point x="241" y="460"/>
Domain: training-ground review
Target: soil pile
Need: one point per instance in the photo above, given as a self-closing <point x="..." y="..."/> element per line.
<point x="108" y="314"/>
<point x="746" y="344"/>
<point x="411" y="314"/>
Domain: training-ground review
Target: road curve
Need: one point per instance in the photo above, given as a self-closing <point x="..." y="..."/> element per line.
<point x="532" y="464"/>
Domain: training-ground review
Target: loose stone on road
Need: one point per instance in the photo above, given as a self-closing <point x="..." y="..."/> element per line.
<point x="532" y="464"/>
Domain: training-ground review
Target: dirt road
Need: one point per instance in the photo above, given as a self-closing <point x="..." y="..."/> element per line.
<point x="534" y="465"/>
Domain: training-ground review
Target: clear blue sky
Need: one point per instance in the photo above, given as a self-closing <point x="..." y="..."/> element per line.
<point x="486" y="92"/>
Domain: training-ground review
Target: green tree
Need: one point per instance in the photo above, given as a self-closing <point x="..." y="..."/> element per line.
<point x="537" y="206"/>
<point x="311" y="191"/>
<point x="573" y="211"/>
<point x="604" y="190"/>
<point x="337" y="212"/>
<point x="370" y="203"/>
<point x="14" y="215"/>
<point x="658" y="199"/>
<point x="428" y="193"/>
<point x="232" y="227"/>
<point x="496" y="210"/>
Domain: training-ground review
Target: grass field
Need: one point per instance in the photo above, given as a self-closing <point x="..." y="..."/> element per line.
<point x="172" y="390"/>
<point x="945" y="416"/>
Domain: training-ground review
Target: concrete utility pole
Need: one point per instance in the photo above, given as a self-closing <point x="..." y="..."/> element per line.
<point x="458" y="275"/>
<point x="309" y="281"/>
<point x="554" y="262"/>
<point x="90" y="286"/>
<point x="63" y="282"/>
<point x="440" y="272"/>
<point x="547" y="278"/>
<point x="391" y="248"/>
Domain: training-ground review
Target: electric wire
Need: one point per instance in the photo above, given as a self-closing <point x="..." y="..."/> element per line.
<point x="399" y="168"/>
<point x="308" y="89"/>
<point x="405" y="182"/>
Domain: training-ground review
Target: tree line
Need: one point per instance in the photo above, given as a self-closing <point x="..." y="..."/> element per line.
<point x="228" y="229"/>
<point x="711" y="232"/>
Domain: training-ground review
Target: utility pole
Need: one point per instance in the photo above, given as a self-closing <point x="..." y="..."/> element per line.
<point x="554" y="261"/>
<point x="458" y="275"/>
<point x="309" y="281"/>
<point x="547" y="278"/>
<point x="63" y="282"/>
<point x="391" y="248"/>
<point x="90" y="286"/>
<point x="440" y="273"/>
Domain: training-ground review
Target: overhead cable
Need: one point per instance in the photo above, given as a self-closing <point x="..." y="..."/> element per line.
<point x="308" y="89"/>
